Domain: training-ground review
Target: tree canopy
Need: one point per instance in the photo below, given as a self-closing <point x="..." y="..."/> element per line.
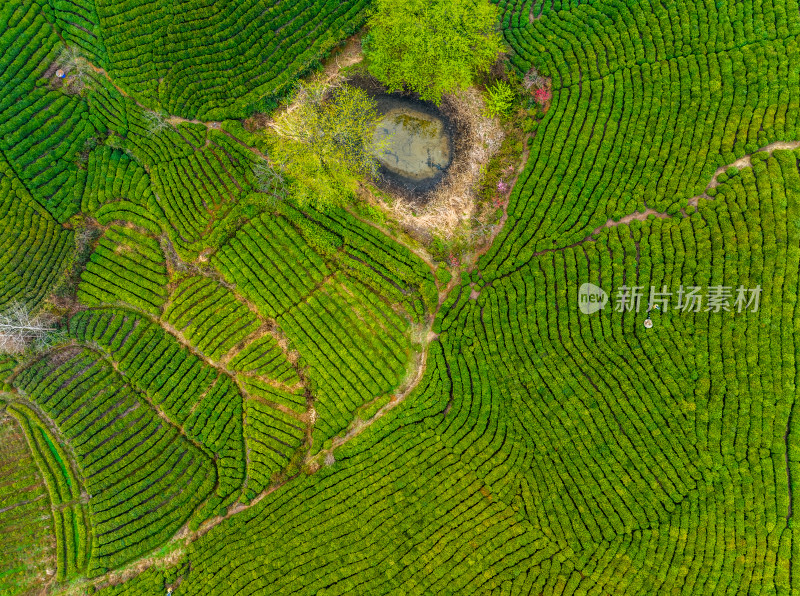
<point x="432" y="46"/>
<point x="325" y="143"/>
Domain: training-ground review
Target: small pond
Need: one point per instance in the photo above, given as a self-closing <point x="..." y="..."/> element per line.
<point x="416" y="143"/>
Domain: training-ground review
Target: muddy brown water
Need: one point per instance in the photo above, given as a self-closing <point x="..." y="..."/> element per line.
<point x="414" y="143"/>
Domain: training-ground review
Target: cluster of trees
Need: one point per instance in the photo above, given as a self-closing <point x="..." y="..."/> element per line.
<point x="434" y="47"/>
<point x="325" y="142"/>
<point x="141" y="491"/>
<point x="209" y="316"/>
<point x="20" y="330"/>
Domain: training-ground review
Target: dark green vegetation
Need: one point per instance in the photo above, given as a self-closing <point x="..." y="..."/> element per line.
<point x="230" y="342"/>
<point x="210" y="59"/>
<point x="434" y="47"/>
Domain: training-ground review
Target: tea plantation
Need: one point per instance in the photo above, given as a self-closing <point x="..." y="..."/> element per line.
<point x="244" y="396"/>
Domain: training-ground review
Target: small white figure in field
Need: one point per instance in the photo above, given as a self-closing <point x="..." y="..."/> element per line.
<point x="648" y="323"/>
<point x="60" y="73"/>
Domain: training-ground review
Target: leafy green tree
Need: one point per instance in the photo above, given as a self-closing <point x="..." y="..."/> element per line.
<point x="325" y="142"/>
<point x="499" y="99"/>
<point x="432" y="46"/>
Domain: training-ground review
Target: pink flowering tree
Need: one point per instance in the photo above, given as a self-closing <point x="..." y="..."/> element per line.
<point x="543" y="96"/>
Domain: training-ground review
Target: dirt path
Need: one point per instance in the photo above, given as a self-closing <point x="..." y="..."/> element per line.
<point x="636" y="216"/>
<point x="742" y="162"/>
<point x="358" y="425"/>
<point x="177" y="545"/>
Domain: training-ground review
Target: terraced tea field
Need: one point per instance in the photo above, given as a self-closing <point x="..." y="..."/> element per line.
<point x="245" y="396"/>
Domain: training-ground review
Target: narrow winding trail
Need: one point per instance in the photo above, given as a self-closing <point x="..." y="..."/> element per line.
<point x="742" y="162"/>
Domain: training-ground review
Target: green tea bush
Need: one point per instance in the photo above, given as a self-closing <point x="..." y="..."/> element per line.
<point x="209" y="317"/>
<point x="127" y="266"/>
<point x="144" y="478"/>
<point x="36" y="250"/>
<point x="258" y="51"/>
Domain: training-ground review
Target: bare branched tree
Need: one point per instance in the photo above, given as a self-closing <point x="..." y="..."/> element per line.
<point x="76" y="68"/>
<point x="19" y="329"/>
<point x="155" y="121"/>
<point x="269" y="179"/>
<point x="533" y="80"/>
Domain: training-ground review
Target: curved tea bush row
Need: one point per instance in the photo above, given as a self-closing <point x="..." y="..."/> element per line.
<point x="71" y="532"/>
<point x="647" y="102"/>
<point x="209" y="317"/>
<point x="271" y="439"/>
<point x="145" y="480"/>
<point x="118" y="188"/>
<point x="73" y="539"/>
<point x="49" y="456"/>
<point x="293" y="400"/>
<point x="251" y="51"/>
<point x="516" y="13"/>
<point x="26" y="524"/>
<point x="270" y="264"/>
<point x="265" y="358"/>
<point x="355" y="346"/>
<point x="35" y="249"/>
<point x="205" y="404"/>
<point x="126" y="266"/>
<point x="79" y="25"/>
<point x="399" y="274"/>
